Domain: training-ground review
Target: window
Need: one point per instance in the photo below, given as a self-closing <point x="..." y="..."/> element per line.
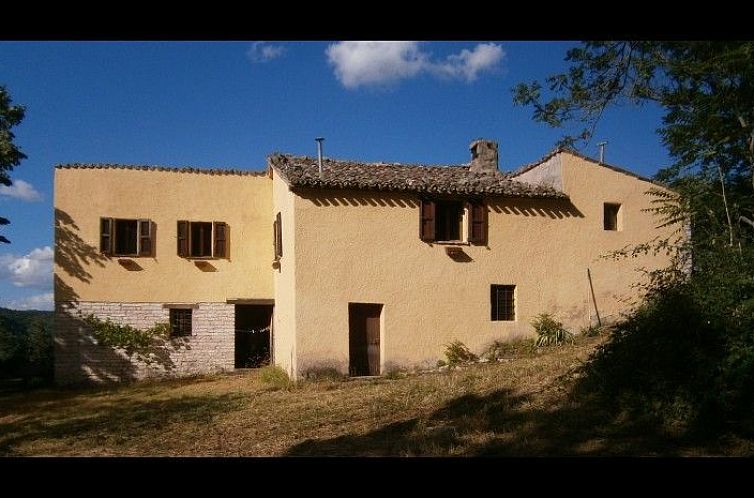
<point x="503" y="302"/>
<point x="443" y="221"/>
<point x="449" y="220"/>
<point x="612" y="219"/>
<point x="203" y="239"/>
<point x="125" y="237"/>
<point x="277" y="236"/>
<point x="180" y="322"/>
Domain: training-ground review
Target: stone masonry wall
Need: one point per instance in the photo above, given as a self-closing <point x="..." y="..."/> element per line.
<point x="79" y="359"/>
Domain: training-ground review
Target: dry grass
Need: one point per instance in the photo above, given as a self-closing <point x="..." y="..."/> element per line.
<point x="517" y="407"/>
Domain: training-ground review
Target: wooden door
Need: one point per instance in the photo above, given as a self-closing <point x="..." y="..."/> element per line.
<point x="364" y="338"/>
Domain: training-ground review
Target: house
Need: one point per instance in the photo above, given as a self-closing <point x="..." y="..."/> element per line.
<point x="340" y="264"/>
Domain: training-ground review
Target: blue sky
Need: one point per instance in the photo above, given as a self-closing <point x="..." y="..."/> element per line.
<point x="231" y="104"/>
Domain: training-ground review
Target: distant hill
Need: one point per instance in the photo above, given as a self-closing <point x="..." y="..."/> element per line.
<point x="25" y="344"/>
<point x="25" y="317"/>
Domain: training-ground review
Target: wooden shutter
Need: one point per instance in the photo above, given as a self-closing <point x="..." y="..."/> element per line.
<point x="183" y="238"/>
<point x="427" y="221"/>
<point x="106" y="235"/>
<point x="221" y="237"/>
<point x="145" y="238"/>
<point x="278" y="235"/>
<point x="477" y="222"/>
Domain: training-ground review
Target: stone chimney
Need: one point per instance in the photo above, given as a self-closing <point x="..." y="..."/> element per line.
<point x="483" y="156"/>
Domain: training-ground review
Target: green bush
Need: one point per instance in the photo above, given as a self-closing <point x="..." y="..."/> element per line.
<point x="550" y="332"/>
<point x="509" y="349"/>
<point x="457" y="354"/>
<point x="145" y="344"/>
<point x="275" y="378"/>
<point x="592" y="331"/>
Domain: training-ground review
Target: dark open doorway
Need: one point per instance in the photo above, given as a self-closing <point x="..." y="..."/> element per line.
<point x="364" y="339"/>
<point x="253" y="324"/>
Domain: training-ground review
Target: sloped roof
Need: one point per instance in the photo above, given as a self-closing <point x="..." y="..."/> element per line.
<point x="303" y="171"/>
<point x="523" y="169"/>
<point x="184" y="169"/>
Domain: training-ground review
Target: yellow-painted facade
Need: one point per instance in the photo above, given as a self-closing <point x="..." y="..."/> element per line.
<point x="83" y="195"/>
<point x="349" y="246"/>
<point x="364" y="247"/>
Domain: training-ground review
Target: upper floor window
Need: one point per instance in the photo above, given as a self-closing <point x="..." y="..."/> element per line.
<point x="125" y="237"/>
<point x="612" y="216"/>
<point x="202" y="239"/>
<point x="444" y="221"/>
<point x="277" y="236"/>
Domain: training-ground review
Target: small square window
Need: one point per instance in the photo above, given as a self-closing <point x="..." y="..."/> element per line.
<point x="503" y="302"/>
<point x="180" y="322"/>
<point x="612" y="219"/>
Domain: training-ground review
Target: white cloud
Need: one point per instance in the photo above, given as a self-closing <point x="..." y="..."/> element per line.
<point x="380" y="63"/>
<point x="375" y="63"/>
<point x="36" y="302"/>
<point x="468" y="64"/>
<point x="21" y="190"/>
<point x="264" y="52"/>
<point x="32" y="270"/>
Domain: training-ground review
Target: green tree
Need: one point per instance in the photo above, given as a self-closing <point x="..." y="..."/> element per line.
<point x="8" y="344"/>
<point x="688" y="351"/>
<point x="39" y="343"/>
<point x="705" y="88"/>
<point x="10" y="155"/>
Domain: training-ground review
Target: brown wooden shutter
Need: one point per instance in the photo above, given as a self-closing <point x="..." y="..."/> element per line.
<point x="106" y="235"/>
<point x="278" y="227"/>
<point x="221" y="236"/>
<point x="477" y="222"/>
<point x="183" y="238"/>
<point x="427" y="221"/>
<point x="145" y="238"/>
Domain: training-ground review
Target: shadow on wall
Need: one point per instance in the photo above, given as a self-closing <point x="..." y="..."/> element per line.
<point x="323" y="199"/>
<point x="78" y="357"/>
<point x="551" y="208"/>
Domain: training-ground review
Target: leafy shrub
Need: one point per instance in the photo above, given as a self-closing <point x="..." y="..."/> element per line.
<point x="457" y="354"/>
<point x="134" y="341"/>
<point x="509" y="349"/>
<point x="275" y="378"/>
<point x="550" y="331"/>
<point x="592" y="331"/>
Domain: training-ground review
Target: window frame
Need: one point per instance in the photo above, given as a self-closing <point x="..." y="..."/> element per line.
<point x="473" y="225"/>
<point x="172" y="320"/>
<point x="443" y="206"/>
<point x="144" y="242"/>
<point x="214" y="240"/>
<point x="495" y="313"/>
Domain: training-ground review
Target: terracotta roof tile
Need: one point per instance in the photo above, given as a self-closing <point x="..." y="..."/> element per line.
<point x="301" y="171"/>
<point x="185" y="169"/>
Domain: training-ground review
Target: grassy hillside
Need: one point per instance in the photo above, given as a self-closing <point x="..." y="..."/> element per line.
<point x="520" y="406"/>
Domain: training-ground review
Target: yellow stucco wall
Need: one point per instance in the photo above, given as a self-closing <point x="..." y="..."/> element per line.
<point x="361" y="247"/>
<point x="284" y="321"/>
<point x="82" y="196"/>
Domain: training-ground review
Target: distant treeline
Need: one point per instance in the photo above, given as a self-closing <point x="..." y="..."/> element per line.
<point x="26" y="345"/>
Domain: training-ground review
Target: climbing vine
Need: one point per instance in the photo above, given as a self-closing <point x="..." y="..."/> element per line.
<point x="143" y="343"/>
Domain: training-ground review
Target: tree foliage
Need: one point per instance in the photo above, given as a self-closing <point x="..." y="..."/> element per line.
<point x="10" y="155"/>
<point x="686" y="353"/>
<point x="705" y="88"/>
